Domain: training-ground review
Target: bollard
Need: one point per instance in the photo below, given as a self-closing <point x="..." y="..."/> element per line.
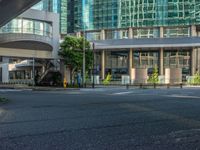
<point x="168" y="86"/>
<point x="141" y="86"/>
<point x="181" y="85"/>
<point x="154" y="85"/>
<point x="127" y="86"/>
<point x="65" y="83"/>
<point x="84" y="85"/>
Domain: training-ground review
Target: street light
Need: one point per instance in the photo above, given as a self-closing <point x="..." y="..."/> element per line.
<point x="93" y="48"/>
<point x="83" y="81"/>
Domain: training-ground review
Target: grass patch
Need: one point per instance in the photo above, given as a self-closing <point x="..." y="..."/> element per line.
<point x="3" y="100"/>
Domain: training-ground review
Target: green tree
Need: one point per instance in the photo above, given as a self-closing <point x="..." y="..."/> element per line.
<point x="154" y="77"/>
<point x="71" y="50"/>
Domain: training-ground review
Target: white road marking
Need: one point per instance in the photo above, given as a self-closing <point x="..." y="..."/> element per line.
<point x="121" y="93"/>
<point x="10" y="90"/>
<point x="183" y="96"/>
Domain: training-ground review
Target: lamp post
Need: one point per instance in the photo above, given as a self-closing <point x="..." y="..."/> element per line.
<point x="93" y="47"/>
<point x="33" y="73"/>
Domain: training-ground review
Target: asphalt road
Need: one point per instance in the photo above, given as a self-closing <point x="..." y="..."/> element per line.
<point x="101" y="119"/>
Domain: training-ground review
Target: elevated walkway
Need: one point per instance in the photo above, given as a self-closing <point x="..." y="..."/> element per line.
<point x="25" y="41"/>
<point x="10" y="9"/>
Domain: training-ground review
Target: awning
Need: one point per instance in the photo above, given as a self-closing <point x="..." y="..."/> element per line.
<point x="148" y="43"/>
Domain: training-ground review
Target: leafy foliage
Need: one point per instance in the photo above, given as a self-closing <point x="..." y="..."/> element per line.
<point x="108" y="79"/>
<point x="196" y="79"/>
<point x="154" y="77"/>
<point x="72" y="52"/>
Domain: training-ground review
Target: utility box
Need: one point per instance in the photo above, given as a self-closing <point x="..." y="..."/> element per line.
<point x="125" y="79"/>
<point x="96" y="79"/>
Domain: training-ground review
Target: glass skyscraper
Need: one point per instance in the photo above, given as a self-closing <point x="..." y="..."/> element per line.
<point x="108" y="14"/>
<point x="56" y="6"/>
<point x="131" y="34"/>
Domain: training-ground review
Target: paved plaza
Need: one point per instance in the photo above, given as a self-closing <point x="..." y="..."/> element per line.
<point x="101" y="119"/>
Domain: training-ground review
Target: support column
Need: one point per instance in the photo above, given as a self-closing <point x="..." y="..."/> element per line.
<point x="161" y="62"/>
<point x="103" y="35"/>
<point x="130" y="33"/>
<point x="161" y="32"/>
<point x="130" y="62"/>
<point x="5" y="69"/>
<point x="193" y="31"/>
<point x="193" y="61"/>
<point x="103" y="65"/>
<point x="103" y="56"/>
<point x="194" y="51"/>
<point x="78" y="34"/>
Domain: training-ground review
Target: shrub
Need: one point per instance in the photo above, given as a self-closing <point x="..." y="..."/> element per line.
<point x="107" y="80"/>
<point x="154" y="76"/>
<point x="196" y="79"/>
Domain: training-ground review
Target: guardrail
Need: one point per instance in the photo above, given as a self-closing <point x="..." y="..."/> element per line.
<point x="139" y="85"/>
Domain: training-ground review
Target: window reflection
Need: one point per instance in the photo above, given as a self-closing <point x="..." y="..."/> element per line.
<point x="28" y="26"/>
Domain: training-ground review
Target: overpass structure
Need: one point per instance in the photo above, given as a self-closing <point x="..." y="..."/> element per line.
<point x="10" y="9"/>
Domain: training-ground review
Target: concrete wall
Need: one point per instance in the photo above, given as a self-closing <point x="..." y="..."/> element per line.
<point x="141" y="75"/>
<point x="4" y="66"/>
<point x="53" y="18"/>
<point x="173" y="75"/>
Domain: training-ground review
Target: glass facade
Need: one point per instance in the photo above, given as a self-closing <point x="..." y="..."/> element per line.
<point x="178" y="59"/>
<point x="76" y="15"/>
<point x="146" y="33"/>
<point x="28" y="26"/>
<point x="56" y="6"/>
<point x="177" y="32"/>
<point x="109" y="14"/>
<point x="146" y="59"/>
<point x="116" y="64"/>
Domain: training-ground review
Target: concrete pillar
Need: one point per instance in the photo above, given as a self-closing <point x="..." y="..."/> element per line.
<point x="141" y="75"/>
<point x="177" y="60"/>
<point x="161" y="67"/>
<point x="55" y="40"/>
<point x="62" y="69"/>
<point x="5" y="69"/>
<point x="161" y="63"/>
<point x="194" y="51"/>
<point x="140" y="60"/>
<point x="193" y="61"/>
<point x="67" y="74"/>
<point x="78" y="34"/>
<point x="130" y="62"/>
<point x="161" y="32"/>
<point x="130" y="33"/>
<point x="193" y="31"/>
<point x="173" y="75"/>
<point x="103" y="64"/>
<point x="198" y="59"/>
<point x="103" y="35"/>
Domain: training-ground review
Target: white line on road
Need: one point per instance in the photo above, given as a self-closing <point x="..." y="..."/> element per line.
<point x="182" y="96"/>
<point x="121" y="93"/>
<point x="10" y="90"/>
